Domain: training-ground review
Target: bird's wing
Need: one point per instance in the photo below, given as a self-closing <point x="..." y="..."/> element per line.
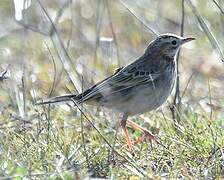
<point x="132" y="76"/>
<point x="125" y="78"/>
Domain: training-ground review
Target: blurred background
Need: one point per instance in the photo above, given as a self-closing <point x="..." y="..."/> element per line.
<point x="94" y="37"/>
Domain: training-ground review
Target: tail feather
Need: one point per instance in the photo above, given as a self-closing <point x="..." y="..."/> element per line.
<point x="57" y="99"/>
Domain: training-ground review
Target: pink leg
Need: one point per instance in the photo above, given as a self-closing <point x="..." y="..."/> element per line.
<point x="146" y="132"/>
<point x="127" y="137"/>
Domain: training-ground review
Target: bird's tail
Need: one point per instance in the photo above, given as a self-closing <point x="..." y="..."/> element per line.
<point x="57" y="99"/>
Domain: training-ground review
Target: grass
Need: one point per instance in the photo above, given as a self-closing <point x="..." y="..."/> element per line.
<point x="60" y="142"/>
<point x="55" y="144"/>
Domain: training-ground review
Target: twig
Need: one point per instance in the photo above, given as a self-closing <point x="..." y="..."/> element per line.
<point x="59" y="46"/>
<point x="220" y="8"/>
<point x="114" y="142"/>
<point x="99" y="18"/>
<point x="59" y="14"/>
<point x="61" y="11"/>
<point x="55" y="71"/>
<point x="214" y="138"/>
<point x="221" y="18"/>
<point x="188" y="82"/>
<point x="82" y="134"/>
<point x="210" y="100"/>
<point x="129" y="161"/>
<point x="207" y="31"/>
<point x="71" y="27"/>
<point x="49" y="131"/>
<point x="113" y="33"/>
<point x="23" y="83"/>
<point x="32" y="28"/>
<point x="177" y="97"/>
<point x="63" y="54"/>
<point x="2" y="74"/>
<point x="140" y="19"/>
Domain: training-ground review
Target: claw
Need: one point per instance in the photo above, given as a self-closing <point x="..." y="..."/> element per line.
<point x="147" y="133"/>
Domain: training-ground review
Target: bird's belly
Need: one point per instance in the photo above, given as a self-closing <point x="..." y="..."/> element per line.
<point x="146" y="97"/>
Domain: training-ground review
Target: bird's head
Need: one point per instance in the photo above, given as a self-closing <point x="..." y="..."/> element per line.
<point x="168" y="44"/>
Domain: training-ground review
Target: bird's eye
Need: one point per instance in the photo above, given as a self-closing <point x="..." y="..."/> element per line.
<point x="174" y="42"/>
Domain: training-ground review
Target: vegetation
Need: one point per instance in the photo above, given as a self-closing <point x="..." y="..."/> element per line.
<point x="68" y="142"/>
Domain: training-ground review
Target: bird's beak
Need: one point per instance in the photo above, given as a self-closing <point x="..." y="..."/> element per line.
<point x="188" y="39"/>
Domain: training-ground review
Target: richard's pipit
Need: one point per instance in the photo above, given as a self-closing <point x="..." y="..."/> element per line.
<point x="141" y="86"/>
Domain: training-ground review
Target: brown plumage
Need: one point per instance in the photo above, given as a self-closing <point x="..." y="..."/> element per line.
<point x="141" y="86"/>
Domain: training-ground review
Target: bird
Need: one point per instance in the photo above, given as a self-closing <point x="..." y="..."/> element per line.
<point x="139" y="87"/>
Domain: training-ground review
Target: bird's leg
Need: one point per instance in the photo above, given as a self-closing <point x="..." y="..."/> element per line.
<point x="146" y="132"/>
<point x="123" y="125"/>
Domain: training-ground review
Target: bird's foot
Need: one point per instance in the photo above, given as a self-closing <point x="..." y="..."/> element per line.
<point x="147" y="135"/>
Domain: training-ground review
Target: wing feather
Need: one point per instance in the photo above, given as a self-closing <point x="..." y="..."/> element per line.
<point x="125" y="78"/>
